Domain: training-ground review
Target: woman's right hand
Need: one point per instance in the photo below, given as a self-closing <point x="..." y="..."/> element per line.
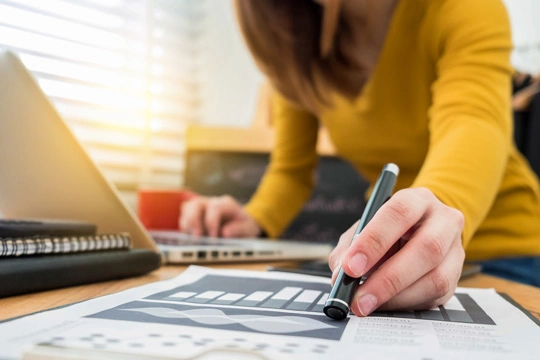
<point x="219" y="216"/>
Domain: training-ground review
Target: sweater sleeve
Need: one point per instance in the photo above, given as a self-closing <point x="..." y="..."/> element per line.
<point x="289" y="178"/>
<point x="470" y="118"/>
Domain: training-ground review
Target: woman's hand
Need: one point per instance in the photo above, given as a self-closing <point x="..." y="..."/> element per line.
<point x="424" y="270"/>
<point x="217" y="216"/>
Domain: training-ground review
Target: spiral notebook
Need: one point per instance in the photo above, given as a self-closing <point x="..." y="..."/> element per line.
<point x="49" y="245"/>
<point x="23" y="237"/>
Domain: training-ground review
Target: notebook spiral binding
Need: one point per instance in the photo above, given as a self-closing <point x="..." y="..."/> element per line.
<point x="46" y="245"/>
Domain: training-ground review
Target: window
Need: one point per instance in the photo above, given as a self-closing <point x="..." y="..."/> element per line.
<point x="121" y="73"/>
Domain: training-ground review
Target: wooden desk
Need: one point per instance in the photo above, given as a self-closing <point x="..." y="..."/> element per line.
<point x="527" y="296"/>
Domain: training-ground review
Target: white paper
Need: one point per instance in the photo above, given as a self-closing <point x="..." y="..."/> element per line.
<point x="256" y="315"/>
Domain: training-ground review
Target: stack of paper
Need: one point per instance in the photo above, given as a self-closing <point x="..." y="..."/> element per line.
<point x="224" y="314"/>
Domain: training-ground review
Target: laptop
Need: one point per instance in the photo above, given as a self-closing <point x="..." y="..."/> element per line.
<point x="46" y="173"/>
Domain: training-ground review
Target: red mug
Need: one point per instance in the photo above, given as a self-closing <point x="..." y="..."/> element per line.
<point x="160" y="209"/>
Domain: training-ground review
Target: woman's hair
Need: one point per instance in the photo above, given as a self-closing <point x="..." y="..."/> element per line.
<point x="296" y="44"/>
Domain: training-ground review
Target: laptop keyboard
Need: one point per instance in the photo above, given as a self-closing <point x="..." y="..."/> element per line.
<point x="185" y="239"/>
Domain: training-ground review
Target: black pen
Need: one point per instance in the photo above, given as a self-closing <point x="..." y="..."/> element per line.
<point x="338" y="303"/>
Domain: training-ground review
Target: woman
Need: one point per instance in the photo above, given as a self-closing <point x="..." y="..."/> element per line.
<point x="424" y="84"/>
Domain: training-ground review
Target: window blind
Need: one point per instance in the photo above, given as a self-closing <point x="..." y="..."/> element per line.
<point x="122" y="73"/>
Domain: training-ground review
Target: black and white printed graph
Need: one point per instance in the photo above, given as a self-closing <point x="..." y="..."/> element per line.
<point x="225" y="318"/>
<point x="303" y="296"/>
<point x="241" y="304"/>
<point x="250" y="293"/>
<point x="271" y="306"/>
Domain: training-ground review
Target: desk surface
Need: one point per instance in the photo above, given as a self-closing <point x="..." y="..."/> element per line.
<point x="527" y="296"/>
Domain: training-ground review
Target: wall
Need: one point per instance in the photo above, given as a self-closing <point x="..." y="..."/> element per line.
<point x="230" y="81"/>
<point x="526" y="34"/>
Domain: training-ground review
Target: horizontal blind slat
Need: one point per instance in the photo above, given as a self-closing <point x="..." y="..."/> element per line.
<point x="122" y="73"/>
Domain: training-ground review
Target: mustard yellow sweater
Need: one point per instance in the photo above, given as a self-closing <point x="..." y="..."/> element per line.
<point x="438" y="105"/>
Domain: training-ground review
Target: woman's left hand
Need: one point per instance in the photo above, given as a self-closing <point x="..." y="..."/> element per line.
<point x="423" y="272"/>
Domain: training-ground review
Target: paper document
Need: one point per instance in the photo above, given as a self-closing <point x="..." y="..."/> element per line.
<point x="223" y="314"/>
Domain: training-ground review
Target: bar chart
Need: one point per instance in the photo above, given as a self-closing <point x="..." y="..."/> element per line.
<point x="303" y="297"/>
<point x="269" y="306"/>
<point x="291" y="308"/>
<point x="251" y="293"/>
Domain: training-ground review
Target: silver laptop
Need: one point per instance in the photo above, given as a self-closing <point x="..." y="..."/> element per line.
<point x="46" y="173"/>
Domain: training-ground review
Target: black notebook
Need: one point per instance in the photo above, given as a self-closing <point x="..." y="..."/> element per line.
<point x="22" y="275"/>
<point x="37" y="255"/>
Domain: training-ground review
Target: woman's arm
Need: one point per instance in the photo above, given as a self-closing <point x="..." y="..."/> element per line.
<point x="470" y="119"/>
<point x="470" y="137"/>
<point x="289" y="179"/>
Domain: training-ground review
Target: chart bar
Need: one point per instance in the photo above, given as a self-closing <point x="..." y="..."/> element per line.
<point x="320" y="304"/>
<point x="459" y="316"/>
<point x="304" y="300"/>
<point x="182" y="295"/>
<point x="454" y="304"/>
<point x="434" y="314"/>
<point x="228" y="298"/>
<point x="475" y="312"/>
<point x="255" y="298"/>
<point x="206" y="296"/>
<point x="282" y="297"/>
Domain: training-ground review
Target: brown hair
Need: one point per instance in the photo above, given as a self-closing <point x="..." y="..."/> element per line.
<point x="296" y="45"/>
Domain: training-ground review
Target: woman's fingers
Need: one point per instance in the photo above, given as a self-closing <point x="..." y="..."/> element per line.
<point x="433" y="289"/>
<point x="422" y="272"/>
<point x="192" y="215"/>
<point x="217" y="216"/>
<point x="241" y="228"/>
<point x="219" y="209"/>
<point x="426" y="250"/>
<point x="212" y="217"/>
<point x="400" y="213"/>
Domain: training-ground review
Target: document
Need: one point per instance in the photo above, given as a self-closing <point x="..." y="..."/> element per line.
<point x="222" y="314"/>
